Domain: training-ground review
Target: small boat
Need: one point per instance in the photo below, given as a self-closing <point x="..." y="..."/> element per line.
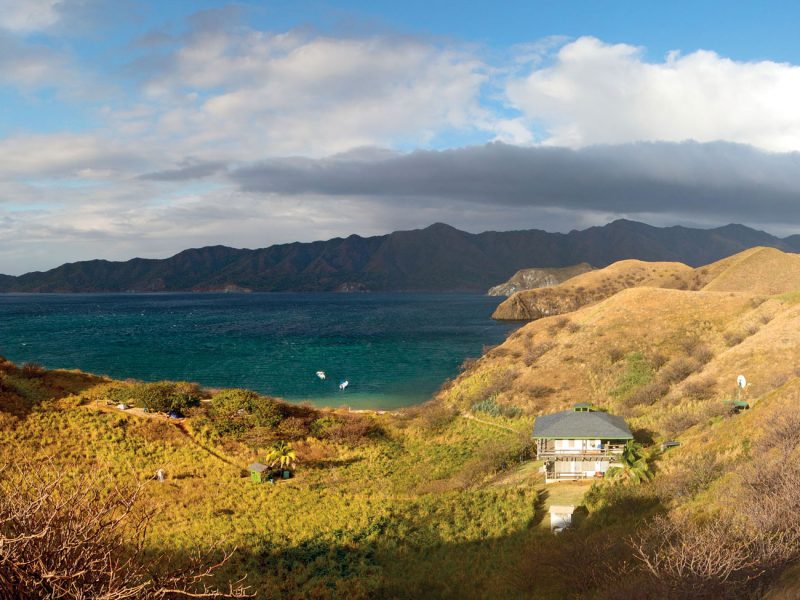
<point x="344" y="385"/>
<point x="321" y="374"/>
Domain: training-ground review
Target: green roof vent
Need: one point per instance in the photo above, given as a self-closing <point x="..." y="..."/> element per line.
<point x="583" y="407"/>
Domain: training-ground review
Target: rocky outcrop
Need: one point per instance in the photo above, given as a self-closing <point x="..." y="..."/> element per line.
<point x="529" y="279"/>
<point x="589" y="287"/>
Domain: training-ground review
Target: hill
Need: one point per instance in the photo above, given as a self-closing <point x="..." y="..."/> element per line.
<point x="445" y="500"/>
<point x="437" y="258"/>
<point x="756" y="270"/>
<point x="667" y="360"/>
<point x="528" y="279"/>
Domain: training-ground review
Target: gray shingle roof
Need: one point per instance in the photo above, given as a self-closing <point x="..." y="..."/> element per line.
<point x="581" y="425"/>
<point x="257" y="467"/>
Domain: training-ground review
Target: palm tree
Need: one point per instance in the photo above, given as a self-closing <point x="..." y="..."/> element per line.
<point x="634" y="467"/>
<point x="281" y="454"/>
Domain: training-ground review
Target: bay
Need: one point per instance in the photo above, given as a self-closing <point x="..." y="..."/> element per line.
<point x="394" y="349"/>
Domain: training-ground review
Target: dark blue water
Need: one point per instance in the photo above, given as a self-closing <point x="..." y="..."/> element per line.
<point x="395" y="349"/>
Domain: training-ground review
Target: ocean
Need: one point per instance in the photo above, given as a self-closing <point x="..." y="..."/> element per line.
<point x="394" y="349"/>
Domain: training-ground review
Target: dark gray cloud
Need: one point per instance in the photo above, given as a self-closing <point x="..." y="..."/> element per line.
<point x="187" y="171"/>
<point x="719" y="181"/>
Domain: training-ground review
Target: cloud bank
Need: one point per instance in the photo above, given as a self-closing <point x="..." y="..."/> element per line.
<point x="677" y="180"/>
<point x="215" y="131"/>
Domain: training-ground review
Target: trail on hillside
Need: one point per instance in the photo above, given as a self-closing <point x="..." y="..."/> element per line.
<point x="476" y="419"/>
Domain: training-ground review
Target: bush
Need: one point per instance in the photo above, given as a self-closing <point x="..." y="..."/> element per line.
<point x="557" y="325"/>
<point x="533" y="353"/>
<point x="434" y="416"/>
<point x="354" y="430"/>
<point x="615" y="355"/>
<point x="163" y="396"/>
<point x="293" y="428"/>
<point x="701" y="388"/>
<point x="489" y="406"/>
<point x="237" y="411"/>
<point x="321" y="427"/>
<point x="637" y="372"/>
<point x="31" y="369"/>
<point x="647" y="394"/>
<point x="678" y="370"/>
<point x="733" y="338"/>
<point x="658" y="360"/>
<point x="540" y="391"/>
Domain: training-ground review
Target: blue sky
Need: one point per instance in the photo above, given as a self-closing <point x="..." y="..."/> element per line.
<point x="139" y="128"/>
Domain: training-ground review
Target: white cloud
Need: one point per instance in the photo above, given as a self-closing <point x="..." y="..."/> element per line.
<point x="291" y="93"/>
<point x="598" y="93"/>
<point x="27" y="16"/>
<point x="68" y="155"/>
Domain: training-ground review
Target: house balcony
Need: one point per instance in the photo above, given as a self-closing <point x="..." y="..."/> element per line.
<point x="546" y="449"/>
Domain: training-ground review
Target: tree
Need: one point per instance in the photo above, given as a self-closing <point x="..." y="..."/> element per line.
<point x="634" y="467"/>
<point x="75" y="539"/>
<point x="281" y="454"/>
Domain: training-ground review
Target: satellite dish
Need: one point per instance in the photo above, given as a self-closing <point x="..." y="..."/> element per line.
<point x="741" y="382"/>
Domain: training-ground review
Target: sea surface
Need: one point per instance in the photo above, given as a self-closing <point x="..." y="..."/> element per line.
<point x="394" y="349"/>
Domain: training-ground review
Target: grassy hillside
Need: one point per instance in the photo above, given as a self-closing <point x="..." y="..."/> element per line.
<point x="398" y="506"/>
<point x="444" y="500"/>
<point x="756" y="270"/>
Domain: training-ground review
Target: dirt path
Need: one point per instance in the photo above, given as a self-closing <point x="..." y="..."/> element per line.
<point x="476" y="419"/>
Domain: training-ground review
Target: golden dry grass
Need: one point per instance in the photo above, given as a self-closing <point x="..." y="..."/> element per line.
<point x="758" y="270"/>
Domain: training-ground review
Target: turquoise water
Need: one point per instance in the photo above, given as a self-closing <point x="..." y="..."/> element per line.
<point x="395" y="349"/>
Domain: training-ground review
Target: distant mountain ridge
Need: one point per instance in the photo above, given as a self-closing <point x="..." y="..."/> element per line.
<point x="437" y="258"/>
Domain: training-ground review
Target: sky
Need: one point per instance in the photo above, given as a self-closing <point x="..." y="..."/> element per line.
<point x="142" y="128"/>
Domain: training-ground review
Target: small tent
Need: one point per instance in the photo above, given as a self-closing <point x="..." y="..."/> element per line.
<point x="257" y="471"/>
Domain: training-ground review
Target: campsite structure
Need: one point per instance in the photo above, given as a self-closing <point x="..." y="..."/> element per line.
<point x="580" y="443"/>
<point x="258" y="472"/>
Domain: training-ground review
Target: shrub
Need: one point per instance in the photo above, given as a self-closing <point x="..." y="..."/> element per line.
<point x="678" y="370"/>
<point x="31" y="369"/>
<point x="533" y="353"/>
<point x="540" y="391"/>
<point x="293" y="428"/>
<point x="701" y="388"/>
<point x="354" y="430"/>
<point x="702" y="354"/>
<point x="163" y="396"/>
<point x="677" y="422"/>
<point x="490" y="406"/>
<point x="435" y="416"/>
<point x="658" y="360"/>
<point x="557" y="325"/>
<point x="733" y="338"/>
<point x="615" y="355"/>
<point x="637" y="372"/>
<point x="647" y="394"/>
<point x="84" y="539"/>
<point x="322" y="426"/>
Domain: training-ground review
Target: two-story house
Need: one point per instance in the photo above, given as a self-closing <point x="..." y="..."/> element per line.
<point x="579" y="443"/>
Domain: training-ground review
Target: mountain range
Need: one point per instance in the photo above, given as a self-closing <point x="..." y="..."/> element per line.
<point x="437" y="258"/>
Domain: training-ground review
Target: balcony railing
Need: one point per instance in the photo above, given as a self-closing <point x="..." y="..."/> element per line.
<point x="607" y="450"/>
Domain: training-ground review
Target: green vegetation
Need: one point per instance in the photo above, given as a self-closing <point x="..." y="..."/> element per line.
<point x="490" y="407"/>
<point x="634" y="467"/>
<point x="380" y="506"/>
<point x="444" y="500"/>
<point x="162" y="396"/>
<point x="638" y="372"/>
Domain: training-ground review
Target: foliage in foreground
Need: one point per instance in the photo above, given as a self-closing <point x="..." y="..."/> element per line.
<point x="71" y="539"/>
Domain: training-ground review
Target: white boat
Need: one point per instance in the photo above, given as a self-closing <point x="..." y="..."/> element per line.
<point x="344" y="384"/>
<point x="321" y="374"/>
